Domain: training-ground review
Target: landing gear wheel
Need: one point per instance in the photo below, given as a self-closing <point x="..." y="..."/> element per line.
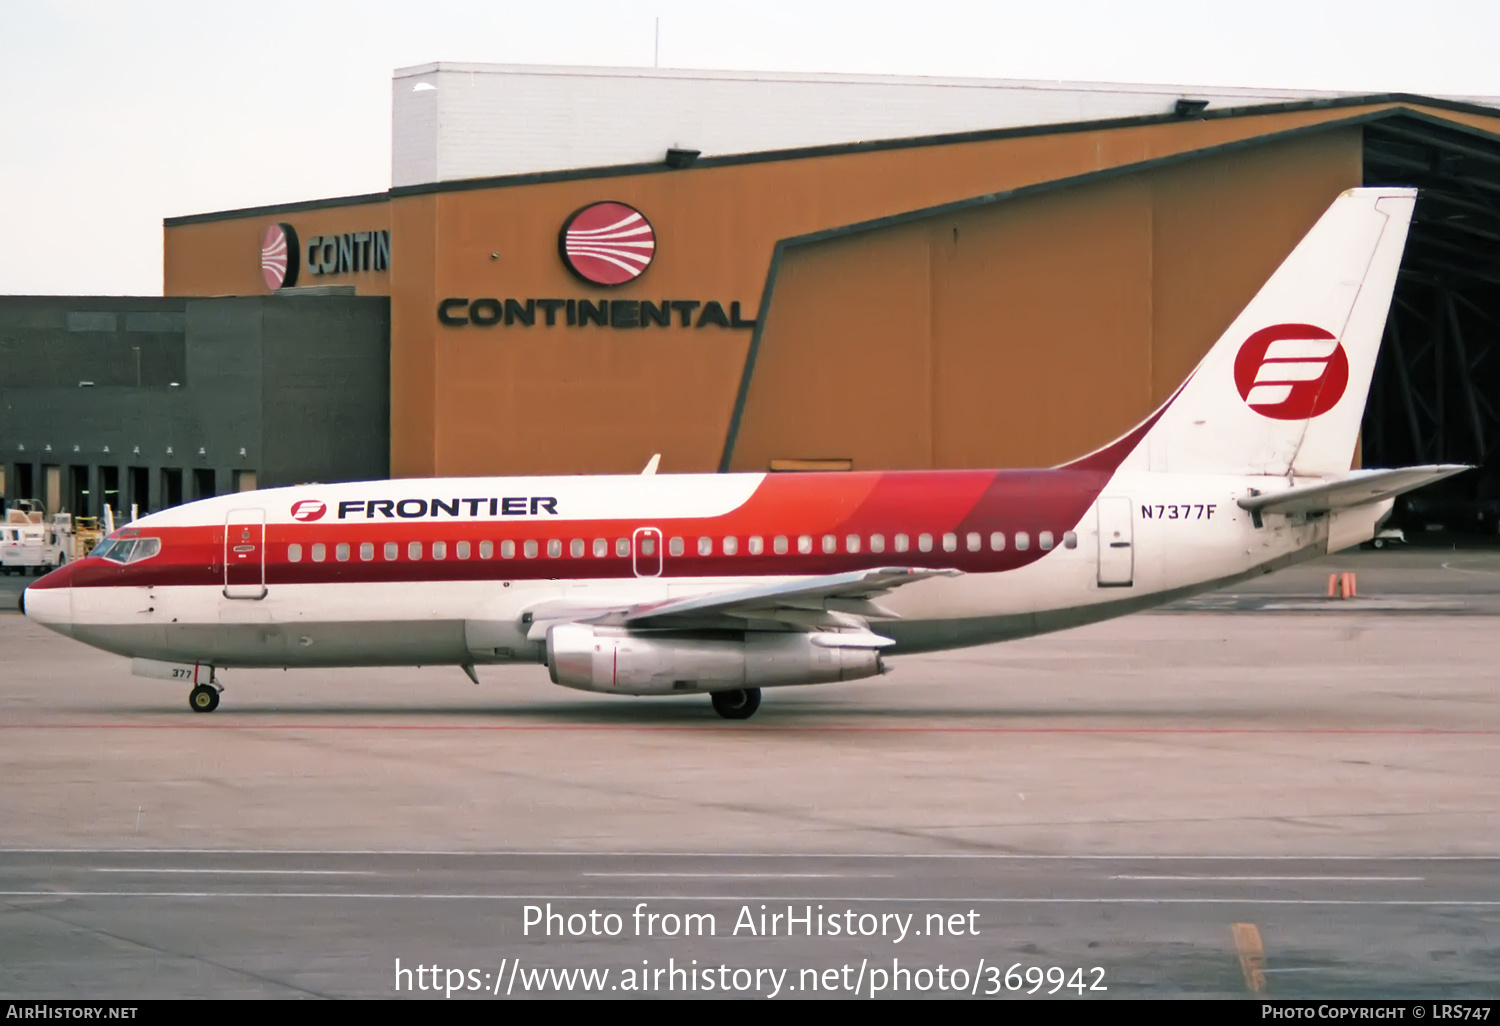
<point x="1378" y="543"/>
<point x="203" y="698"/>
<point x="736" y="705"/>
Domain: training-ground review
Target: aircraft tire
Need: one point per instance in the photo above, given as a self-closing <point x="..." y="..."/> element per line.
<point x="739" y="704"/>
<point x="203" y="699"/>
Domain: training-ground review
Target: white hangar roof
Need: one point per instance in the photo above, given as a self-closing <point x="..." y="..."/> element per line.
<point x="457" y="121"/>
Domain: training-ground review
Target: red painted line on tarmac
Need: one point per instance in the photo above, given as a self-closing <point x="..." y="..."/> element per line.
<point x="769" y="728"/>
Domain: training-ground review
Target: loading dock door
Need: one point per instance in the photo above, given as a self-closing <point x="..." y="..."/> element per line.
<point x="245" y="554"/>
<point x="1116" y="543"/>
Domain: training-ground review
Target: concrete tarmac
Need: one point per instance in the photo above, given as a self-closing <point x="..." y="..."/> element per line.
<point x="205" y="924"/>
<point x="1117" y="796"/>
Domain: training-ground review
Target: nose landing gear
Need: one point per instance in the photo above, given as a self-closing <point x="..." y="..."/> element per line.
<point x="739" y="704"/>
<point x="204" y="698"/>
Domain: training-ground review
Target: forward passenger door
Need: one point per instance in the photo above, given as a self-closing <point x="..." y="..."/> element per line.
<point x="245" y="554"/>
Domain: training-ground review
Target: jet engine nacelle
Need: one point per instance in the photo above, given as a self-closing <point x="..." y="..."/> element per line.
<point x="612" y="660"/>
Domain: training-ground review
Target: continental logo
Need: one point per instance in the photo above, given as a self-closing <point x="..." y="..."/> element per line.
<point x="582" y="313"/>
<point x="426" y="509"/>
<point x="607" y="243"/>
<point x="278" y="256"/>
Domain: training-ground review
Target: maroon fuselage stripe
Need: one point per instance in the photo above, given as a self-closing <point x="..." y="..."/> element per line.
<point x="913" y="503"/>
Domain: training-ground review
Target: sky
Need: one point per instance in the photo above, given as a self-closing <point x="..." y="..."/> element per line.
<point x="117" y="114"/>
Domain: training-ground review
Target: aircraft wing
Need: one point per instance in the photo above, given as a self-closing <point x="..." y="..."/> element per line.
<point x="809" y="603"/>
<point x="1357" y="489"/>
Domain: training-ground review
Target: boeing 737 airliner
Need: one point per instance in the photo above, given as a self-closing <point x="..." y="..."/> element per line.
<point x="728" y="583"/>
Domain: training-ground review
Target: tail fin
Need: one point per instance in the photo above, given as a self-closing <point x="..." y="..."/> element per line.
<point x="1283" y="390"/>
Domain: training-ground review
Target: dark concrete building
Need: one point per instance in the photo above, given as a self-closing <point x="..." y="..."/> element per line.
<point x="158" y="401"/>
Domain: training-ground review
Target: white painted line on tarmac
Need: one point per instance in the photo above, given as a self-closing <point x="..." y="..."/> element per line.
<point x="227" y="872"/>
<point x="999" y="856"/>
<point x="1279" y="879"/>
<point x="744" y="876"/>
<point x="741" y="898"/>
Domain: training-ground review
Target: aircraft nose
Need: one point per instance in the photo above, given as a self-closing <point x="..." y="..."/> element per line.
<point x="49" y="602"/>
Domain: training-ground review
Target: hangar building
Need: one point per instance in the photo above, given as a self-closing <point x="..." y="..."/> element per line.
<point x="740" y="271"/>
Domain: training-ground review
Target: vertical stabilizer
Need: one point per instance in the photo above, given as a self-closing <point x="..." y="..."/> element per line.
<point x="1283" y="390"/>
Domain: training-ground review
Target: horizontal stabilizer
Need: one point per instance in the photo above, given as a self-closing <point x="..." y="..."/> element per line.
<point x="1358" y="488"/>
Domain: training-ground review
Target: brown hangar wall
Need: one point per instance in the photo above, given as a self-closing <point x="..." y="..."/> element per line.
<point x="467" y="399"/>
<point x="1031" y="330"/>
<point x="592" y="400"/>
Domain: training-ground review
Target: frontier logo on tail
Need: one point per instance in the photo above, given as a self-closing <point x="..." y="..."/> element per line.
<point x="1291" y="371"/>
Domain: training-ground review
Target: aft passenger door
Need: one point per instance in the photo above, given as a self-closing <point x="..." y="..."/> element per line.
<point x="245" y="554"/>
<point x="1116" y="542"/>
<point x="646" y="552"/>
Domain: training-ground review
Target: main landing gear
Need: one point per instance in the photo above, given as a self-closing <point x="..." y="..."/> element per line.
<point x="736" y="705"/>
<point x="203" y="698"/>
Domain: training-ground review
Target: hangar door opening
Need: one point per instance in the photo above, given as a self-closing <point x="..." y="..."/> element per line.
<point x="1435" y="397"/>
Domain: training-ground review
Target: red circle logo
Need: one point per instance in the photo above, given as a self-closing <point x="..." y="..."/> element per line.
<point x="1291" y="371"/>
<point x="279" y="256"/>
<point x="308" y="509"/>
<point x="607" y="243"/>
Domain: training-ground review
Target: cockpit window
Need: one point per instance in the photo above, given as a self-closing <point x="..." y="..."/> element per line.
<point x="128" y="550"/>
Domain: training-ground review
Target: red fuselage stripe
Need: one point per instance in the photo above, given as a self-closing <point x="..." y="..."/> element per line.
<point x="966" y="505"/>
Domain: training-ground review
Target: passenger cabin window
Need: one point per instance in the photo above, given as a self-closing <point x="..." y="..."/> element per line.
<point x="319" y="552"/>
<point x="461" y="550"/>
<point x="575" y="548"/>
<point x="366" y="551"/>
<point x="341" y="552"/>
<point x="675" y="547"/>
<point x="1023" y="541"/>
<point x="757" y="545"/>
<point x="392" y="551"/>
<point x="414" y="550"/>
<point x="804" y="543"/>
<point x="1070" y="539"/>
<point x="851" y="543"/>
<point x="973" y="541"/>
<point x="705" y="546"/>
<point x="554" y="548"/>
<point x="731" y="545"/>
<point x="648" y="546"/>
<point x="950" y="543"/>
<point x="924" y="542"/>
<point x="439" y="550"/>
<point x="622" y="547"/>
<point x="508" y="549"/>
<point x="601" y="548"/>
<point x="486" y="550"/>
<point x="293" y="553"/>
<point x="997" y="541"/>
<point x="877" y="543"/>
<point x="528" y="549"/>
<point x="830" y="543"/>
<point x="1044" y="540"/>
<point x="779" y="545"/>
<point x="903" y="543"/>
